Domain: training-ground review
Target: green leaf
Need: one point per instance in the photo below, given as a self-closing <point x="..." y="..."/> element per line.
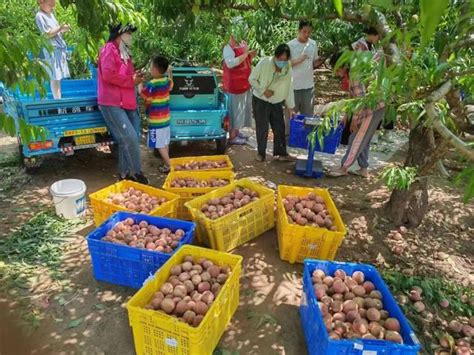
<point x="338" y="6"/>
<point x="430" y="17"/>
<point x="385" y="4"/>
<point x="100" y="306"/>
<point x="75" y="323"/>
<point x="466" y="178"/>
<point x="62" y="301"/>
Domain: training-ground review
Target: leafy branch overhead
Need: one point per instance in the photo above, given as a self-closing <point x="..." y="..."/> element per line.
<point x="425" y="47"/>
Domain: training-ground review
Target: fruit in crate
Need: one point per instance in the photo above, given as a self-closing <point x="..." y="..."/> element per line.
<point x="352" y="308"/>
<point x="310" y="210"/>
<point x="135" y="200"/>
<point x="218" y="207"/>
<point x="144" y="236"/>
<point x="190" y="290"/>
<point x="192" y="182"/>
<point x="202" y="165"/>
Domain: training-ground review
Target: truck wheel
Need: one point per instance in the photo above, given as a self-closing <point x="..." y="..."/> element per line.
<point x="31" y="164"/>
<point x="221" y="145"/>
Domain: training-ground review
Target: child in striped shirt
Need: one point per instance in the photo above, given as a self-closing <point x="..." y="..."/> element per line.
<point x="156" y="94"/>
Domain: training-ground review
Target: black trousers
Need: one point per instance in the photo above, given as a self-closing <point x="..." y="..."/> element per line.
<point x="267" y="114"/>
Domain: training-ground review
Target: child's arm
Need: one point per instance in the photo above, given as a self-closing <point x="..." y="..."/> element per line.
<point x="170" y="78"/>
<point x="145" y="93"/>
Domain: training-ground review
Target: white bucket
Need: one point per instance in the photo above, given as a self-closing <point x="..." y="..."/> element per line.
<point x="69" y="198"/>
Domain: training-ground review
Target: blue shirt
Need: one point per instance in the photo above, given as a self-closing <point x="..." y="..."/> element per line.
<point x="46" y="23"/>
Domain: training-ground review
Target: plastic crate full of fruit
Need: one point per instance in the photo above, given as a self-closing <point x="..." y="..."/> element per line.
<point x="308" y="224"/>
<point x="127" y="248"/>
<point x="347" y="308"/>
<point x="131" y="196"/>
<point x="191" y="184"/>
<point x="186" y="307"/>
<point x="234" y="214"/>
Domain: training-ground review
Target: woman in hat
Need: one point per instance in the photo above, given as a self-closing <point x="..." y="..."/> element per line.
<point x="117" y="99"/>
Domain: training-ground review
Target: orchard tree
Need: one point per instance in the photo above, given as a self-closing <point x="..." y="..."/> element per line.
<point x="426" y="68"/>
<point x="427" y="63"/>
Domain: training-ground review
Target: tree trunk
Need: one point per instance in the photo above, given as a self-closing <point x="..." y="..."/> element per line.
<point x="409" y="207"/>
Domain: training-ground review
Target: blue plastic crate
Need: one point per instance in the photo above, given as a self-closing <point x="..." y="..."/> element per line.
<point x="127" y="266"/>
<point x="299" y="136"/>
<point x="316" y="335"/>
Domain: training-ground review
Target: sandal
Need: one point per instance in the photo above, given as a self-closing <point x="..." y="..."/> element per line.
<point x="238" y="141"/>
<point x="336" y="173"/>
<point x="243" y="136"/>
<point x="360" y="173"/>
<point x="164" y="169"/>
<point x="285" y="158"/>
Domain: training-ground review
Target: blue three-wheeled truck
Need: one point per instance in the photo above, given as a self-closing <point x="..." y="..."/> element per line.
<point x="199" y="111"/>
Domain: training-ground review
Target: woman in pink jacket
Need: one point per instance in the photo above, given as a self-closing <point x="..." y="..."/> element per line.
<point x="117" y="99"/>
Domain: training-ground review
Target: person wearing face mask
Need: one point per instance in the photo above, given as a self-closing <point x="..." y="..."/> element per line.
<point x="117" y="99"/>
<point x="272" y="83"/>
<point x="237" y="66"/>
<point x="56" y="60"/>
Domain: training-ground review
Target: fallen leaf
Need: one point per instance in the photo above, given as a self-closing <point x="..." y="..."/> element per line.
<point x="75" y="323"/>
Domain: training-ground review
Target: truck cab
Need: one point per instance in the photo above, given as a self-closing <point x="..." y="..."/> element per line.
<point x="199" y="109"/>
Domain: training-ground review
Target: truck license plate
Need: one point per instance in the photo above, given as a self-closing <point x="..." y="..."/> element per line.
<point x="78" y="132"/>
<point x="191" y="122"/>
<point x="84" y="140"/>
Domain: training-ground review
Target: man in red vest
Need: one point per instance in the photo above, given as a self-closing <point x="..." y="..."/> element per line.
<point x="237" y="68"/>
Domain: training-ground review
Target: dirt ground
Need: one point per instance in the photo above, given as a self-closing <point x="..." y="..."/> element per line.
<point x="267" y="320"/>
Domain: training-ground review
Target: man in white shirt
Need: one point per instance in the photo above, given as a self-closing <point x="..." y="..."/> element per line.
<point x="304" y="54"/>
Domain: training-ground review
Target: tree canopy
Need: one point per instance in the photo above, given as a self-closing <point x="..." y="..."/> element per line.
<point x="426" y="67"/>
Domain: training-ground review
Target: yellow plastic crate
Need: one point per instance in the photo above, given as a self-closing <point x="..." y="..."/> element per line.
<point x="188" y="193"/>
<point x="103" y="210"/>
<point x="239" y="226"/>
<point x="297" y="243"/>
<point x="158" y="333"/>
<point x="181" y="161"/>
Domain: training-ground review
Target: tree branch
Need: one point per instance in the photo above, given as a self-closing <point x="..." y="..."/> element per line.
<point x="440" y="92"/>
<point x="440" y="128"/>
<point x="242" y="7"/>
<point x="442" y="170"/>
<point x="464" y="43"/>
<point x="453" y="74"/>
<point x="449" y="136"/>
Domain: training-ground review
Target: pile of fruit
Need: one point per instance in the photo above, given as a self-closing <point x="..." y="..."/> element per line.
<point x="144" y="236"/>
<point x="192" y="182"/>
<point x="202" y="165"/>
<point x="218" y="207"/>
<point x="135" y="200"/>
<point x="190" y="290"/>
<point x="352" y="308"/>
<point x="310" y="210"/>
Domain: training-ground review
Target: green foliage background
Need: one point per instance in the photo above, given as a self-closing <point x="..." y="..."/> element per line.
<point x="195" y="31"/>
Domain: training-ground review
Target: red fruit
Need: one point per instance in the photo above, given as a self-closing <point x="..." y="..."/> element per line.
<point x="444" y="303"/>
<point x="419" y="306"/>
<point x="340" y="274"/>
<point x="369" y="286"/>
<point x="320" y="292"/>
<point x="392" y="324"/>
<point x="415" y="296"/>
<point x="358" y="277"/>
<point x="467" y="330"/>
